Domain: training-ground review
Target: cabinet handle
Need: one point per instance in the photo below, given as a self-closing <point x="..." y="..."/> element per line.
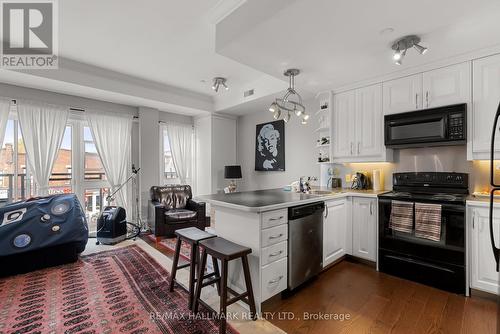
<point x="351" y="148"/>
<point x="371" y="211"/>
<point x="276" y="236"/>
<point x="274" y="219"/>
<point x="416" y="101"/>
<point x="276" y="280"/>
<point x="427" y="98"/>
<point x="358" y="147"/>
<point x="473" y="219"/>
<point x="275" y="254"/>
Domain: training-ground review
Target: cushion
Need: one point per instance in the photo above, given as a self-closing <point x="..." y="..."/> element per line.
<point x="171" y="196"/>
<point x="179" y="214"/>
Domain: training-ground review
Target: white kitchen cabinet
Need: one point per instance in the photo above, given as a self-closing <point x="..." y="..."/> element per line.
<point x="337" y="232"/>
<point x="446" y="86"/>
<point x="358" y="126"/>
<point x="483" y="274"/>
<point x="436" y="88"/>
<point x="343" y="124"/>
<point x="364" y="228"/>
<point x="485" y="100"/>
<point x="403" y="94"/>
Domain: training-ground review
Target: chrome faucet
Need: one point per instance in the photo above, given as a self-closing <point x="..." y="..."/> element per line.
<point x="305" y="183"/>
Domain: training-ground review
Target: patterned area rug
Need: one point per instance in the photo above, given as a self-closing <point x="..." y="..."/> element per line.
<point x="118" y="291"/>
<point x="170" y="243"/>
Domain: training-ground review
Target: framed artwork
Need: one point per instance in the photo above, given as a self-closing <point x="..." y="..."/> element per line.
<point x="270" y="146"/>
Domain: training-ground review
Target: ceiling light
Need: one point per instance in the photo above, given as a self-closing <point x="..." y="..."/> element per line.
<point x="305" y="117"/>
<point x="291" y="102"/>
<point x="403" y="44"/>
<point x="420" y="48"/>
<point x="219" y="81"/>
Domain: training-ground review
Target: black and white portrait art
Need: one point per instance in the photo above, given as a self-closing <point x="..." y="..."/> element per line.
<point x="270" y="146"/>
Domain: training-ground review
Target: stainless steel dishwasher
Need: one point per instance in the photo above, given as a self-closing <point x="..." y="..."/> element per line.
<point x="305" y="242"/>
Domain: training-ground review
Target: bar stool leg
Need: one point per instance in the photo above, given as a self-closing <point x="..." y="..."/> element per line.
<point x="223" y="298"/>
<point x="199" y="283"/>
<point x="192" y="272"/>
<point x="248" y="283"/>
<point x="175" y="264"/>
<point x="215" y="263"/>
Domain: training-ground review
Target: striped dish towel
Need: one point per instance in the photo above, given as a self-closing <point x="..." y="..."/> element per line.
<point x="401" y="216"/>
<point x="428" y="221"/>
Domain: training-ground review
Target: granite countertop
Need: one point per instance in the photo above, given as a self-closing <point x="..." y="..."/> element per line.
<point x="273" y="199"/>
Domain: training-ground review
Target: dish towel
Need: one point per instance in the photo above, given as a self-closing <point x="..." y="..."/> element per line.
<point x="401" y="216"/>
<point x="428" y="221"/>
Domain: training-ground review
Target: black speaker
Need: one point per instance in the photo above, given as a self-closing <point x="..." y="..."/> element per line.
<point x="112" y="225"/>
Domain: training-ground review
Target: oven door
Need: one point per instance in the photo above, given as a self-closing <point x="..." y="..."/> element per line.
<point x="413" y="129"/>
<point x="449" y="249"/>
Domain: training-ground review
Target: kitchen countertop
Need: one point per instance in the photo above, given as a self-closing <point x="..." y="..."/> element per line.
<point x="273" y="199"/>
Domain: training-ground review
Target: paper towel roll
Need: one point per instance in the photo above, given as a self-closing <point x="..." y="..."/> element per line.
<point x="378" y="180"/>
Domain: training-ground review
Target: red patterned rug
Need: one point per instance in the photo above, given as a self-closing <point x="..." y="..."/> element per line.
<point x="170" y="243"/>
<point x="117" y="291"/>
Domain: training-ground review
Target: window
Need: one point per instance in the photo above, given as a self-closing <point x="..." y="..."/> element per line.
<point x="93" y="166"/>
<point x="7" y="164"/>
<point x="62" y="171"/>
<point x="95" y="199"/>
<point x="169" y="172"/>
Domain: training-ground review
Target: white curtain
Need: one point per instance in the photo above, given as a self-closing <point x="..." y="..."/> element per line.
<point x="4" y="116"/>
<point x="180" y="137"/>
<point x="112" y="136"/>
<point x="42" y="127"/>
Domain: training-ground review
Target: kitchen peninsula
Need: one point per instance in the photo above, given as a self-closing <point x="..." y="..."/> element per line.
<point x="259" y="220"/>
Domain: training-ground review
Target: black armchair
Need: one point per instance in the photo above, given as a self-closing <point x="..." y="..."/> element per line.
<point x="172" y="207"/>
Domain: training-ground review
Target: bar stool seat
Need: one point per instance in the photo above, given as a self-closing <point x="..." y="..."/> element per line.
<point x="225" y="251"/>
<point x="192" y="236"/>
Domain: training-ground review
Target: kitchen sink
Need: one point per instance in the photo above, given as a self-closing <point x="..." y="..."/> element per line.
<point x="320" y="192"/>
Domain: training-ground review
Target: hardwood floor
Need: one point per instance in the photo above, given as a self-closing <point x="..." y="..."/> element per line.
<point x="379" y="303"/>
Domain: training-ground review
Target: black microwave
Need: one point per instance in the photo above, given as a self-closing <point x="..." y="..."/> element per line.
<point x="430" y="127"/>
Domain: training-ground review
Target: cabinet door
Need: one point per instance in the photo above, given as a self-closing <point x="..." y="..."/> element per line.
<point x="364" y="224"/>
<point x="404" y="94"/>
<point x="483" y="273"/>
<point x="447" y="85"/>
<point x="343" y="124"/>
<point x="486" y="96"/>
<point x="336" y="234"/>
<point x="369" y="121"/>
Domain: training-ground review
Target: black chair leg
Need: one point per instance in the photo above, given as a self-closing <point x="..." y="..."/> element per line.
<point x="175" y="264"/>
<point x="248" y="283"/>
<point x="199" y="283"/>
<point x="215" y="263"/>
<point x="223" y="298"/>
<point x="192" y="273"/>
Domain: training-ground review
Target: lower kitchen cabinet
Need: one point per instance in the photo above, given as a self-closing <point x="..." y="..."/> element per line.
<point x="483" y="274"/>
<point x="364" y="228"/>
<point x="337" y="232"/>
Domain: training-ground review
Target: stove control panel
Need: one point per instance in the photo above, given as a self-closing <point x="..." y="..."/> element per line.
<point x="431" y="179"/>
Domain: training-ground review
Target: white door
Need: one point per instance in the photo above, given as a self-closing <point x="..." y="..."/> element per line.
<point x="404" y="94"/>
<point x="336" y="233"/>
<point x="364" y="220"/>
<point x="486" y="97"/>
<point x="343" y="124"/>
<point x="483" y="274"/>
<point x="447" y="85"/>
<point x="369" y="121"/>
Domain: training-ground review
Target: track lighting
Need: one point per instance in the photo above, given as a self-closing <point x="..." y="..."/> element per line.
<point x="403" y="44"/>
<point x="291" y="102"/>
<point x="219" y="81"/>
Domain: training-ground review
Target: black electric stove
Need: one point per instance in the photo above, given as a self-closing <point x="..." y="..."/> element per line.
<point x="437" y="263"/>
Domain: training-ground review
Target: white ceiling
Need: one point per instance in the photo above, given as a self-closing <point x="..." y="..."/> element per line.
<point x="339" y="42"/>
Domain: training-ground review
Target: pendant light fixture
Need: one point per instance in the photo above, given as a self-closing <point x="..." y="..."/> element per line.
<point x="291" y="102"/>
<point x="217" y="82"/>
<point x="403" y="44"/>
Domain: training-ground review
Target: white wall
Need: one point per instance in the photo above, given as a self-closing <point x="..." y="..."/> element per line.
<point x="300" y="152"/>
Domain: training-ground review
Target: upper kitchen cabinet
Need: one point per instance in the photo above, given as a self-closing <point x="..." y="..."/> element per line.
<point x="446" y="86"/>
<point x="343" y="124"/>
<point x="436" y="88"/>
<point x="485" y="100"/>
<point x="358" y="126"/>
<point x="404" y="94"/>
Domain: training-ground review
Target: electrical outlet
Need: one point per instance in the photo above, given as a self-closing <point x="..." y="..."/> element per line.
<point x="348" y="178"/>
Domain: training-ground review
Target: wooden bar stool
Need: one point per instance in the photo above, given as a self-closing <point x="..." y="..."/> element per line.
<point x="192" y="236"/>
<point x="225" y="251"/>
